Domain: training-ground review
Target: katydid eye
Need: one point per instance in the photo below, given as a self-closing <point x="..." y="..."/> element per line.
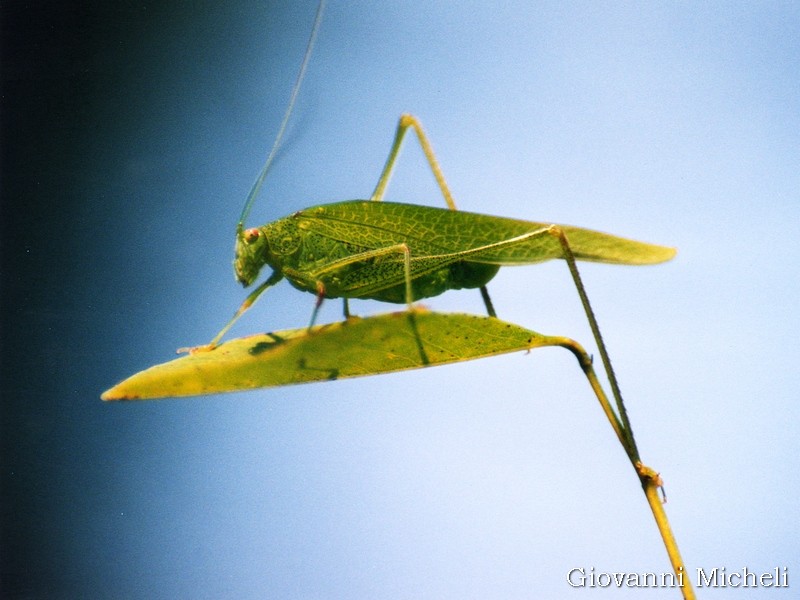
<point x="251" y="235"/>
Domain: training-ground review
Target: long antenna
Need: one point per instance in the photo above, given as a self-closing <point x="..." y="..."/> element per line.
<point x="260" y="180"/>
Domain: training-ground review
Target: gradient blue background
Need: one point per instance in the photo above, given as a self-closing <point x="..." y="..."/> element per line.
<point x="131" y="137"/>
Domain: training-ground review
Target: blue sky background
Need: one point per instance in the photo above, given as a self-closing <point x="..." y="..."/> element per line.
<point x="140" y="133"/>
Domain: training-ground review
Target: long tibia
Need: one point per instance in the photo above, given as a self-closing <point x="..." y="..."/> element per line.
<point x="248" y="302"/>
<point x="569" y="257"/>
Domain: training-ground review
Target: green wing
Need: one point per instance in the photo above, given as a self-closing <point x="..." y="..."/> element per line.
<point x="430" y="231"/>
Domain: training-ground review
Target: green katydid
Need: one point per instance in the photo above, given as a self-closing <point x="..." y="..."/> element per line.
<point x="405" y="252"/>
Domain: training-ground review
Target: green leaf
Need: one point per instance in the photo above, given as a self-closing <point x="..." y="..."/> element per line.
<point x="356" y="347"/>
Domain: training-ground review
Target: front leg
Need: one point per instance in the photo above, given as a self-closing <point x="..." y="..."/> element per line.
<point x="248" y="302"/>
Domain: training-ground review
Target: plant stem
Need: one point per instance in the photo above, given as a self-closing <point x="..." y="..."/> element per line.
<point x="650" y="480"/>
<point x="585" y="362"/>
<point x="650" y="487"/>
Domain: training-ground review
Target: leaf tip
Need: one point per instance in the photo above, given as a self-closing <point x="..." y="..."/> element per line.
<point x="114" y="393"/>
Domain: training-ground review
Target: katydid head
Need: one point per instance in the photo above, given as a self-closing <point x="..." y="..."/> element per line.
<point x="252" y="248"/>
